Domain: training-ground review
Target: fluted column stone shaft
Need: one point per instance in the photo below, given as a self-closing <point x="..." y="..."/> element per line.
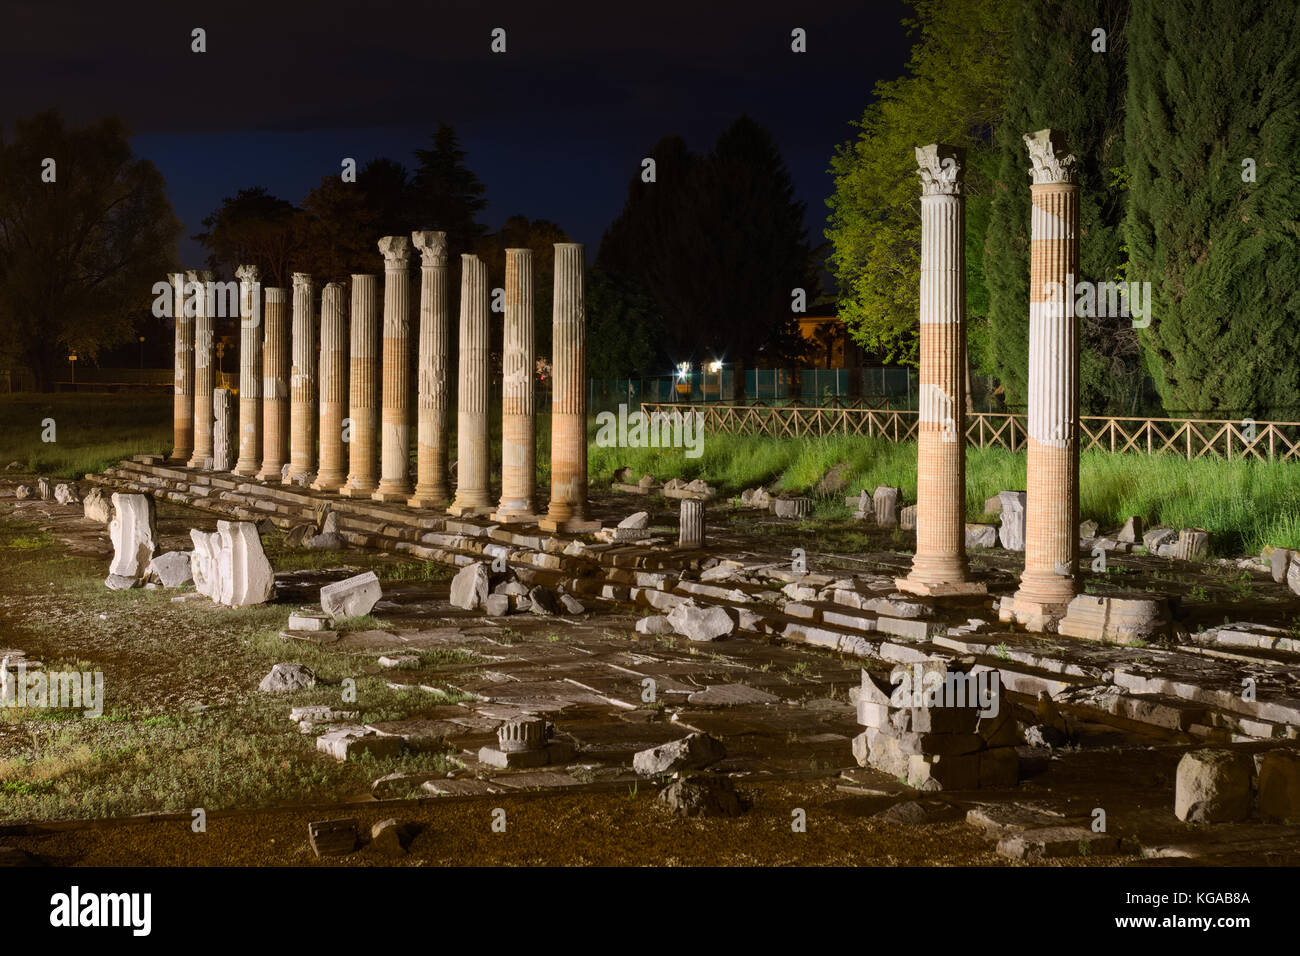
<point x="250" y="371"/>
<point x="302" y="383"/>
<point x="1048" y="583"/>
<point x="939" y="565"/>
<point x="431" y="487"/>
<point x="395" y="458"/>
<point x="472" y="493"/>
<point x="568" y="507"/>
<point x="183" y="392"/>
<point x="363" y="401"/>
<point x="333" y="390"/>
<point x="275" y="386"/>
<point x="518" y="413"/>
<point x="204" y="371"/>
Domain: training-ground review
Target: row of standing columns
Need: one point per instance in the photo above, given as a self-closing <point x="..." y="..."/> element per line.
<point x="347" y="428"/>
<point x="1049" y="581"/>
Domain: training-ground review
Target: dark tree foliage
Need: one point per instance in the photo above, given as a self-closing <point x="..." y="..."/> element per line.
<point x="445" y="194"/>
<point x="1059" y="81"/>
<point x="719" y="243"/>
<point x="79" y="255"/>
<point x="252" y="227"/>
<point x="1214" y="93"/>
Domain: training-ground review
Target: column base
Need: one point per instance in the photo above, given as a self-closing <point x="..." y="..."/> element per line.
<point x="1040" y="616"/>
<point x="940" y="588"/>
<point x="427" y="501"/>
<point x="180" y="456"/>
<point x="296" y="477"/>
<point x="568" y="525"/>
<point x="391" y="494"/>
<point x="203" y="463"/>
<point x="364" y="490"/>
<point x="514" y="516"/>
<point x="328" y="482"/>
<point x="461" y="509"/>
<point x="271" y="473"/>
<point x="248" y="470"/>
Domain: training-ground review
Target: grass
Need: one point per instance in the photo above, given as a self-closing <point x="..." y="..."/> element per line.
<point x="1245" y="505"/>
<point x="139" y="424"/>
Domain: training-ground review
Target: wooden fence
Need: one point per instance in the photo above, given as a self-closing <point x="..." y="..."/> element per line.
<point x="1189" y="438"/>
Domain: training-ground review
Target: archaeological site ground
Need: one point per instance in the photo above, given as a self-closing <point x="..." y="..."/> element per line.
<point x="437" y="444"/>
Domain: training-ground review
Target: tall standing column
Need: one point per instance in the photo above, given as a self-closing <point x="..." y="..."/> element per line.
<point x="568" y="509"/>
<point x="250" y="371"/>
<point x="364" y="395"/>
<point x="302" y="383"/>
<point x="183" y="397"/>
<point x="333" y="389"/>
<point x="275" y="386"/>
<point x="518" y="418"/>
<point x="204" y="372"/>
<point x="939" y="566"/>
<point x="431" y="489"/>
<point x="395" y="460"/>
<point x="472" y="497"/>
<point x="1052" y="479"/>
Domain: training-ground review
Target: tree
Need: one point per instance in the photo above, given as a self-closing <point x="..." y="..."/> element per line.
<point x="719" y="243"/>
<point x="952" y="94"/>
<point x="1212" y="122"/>
<point x="252" y="227"/>
<point x="1059" y="80"/>
<point x="622" y="325"/>
<point x="446" y="195"/>
<point x="78" y="255"/>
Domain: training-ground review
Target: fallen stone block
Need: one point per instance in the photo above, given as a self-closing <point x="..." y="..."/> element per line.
<point x="333" y="837"/>
<point x="981" y="536"/>
<point x="172" y="569"/>
<point x="544" y="601"/>
<point x="1279" y="786"/>
<point x="287" y="677"/>
<point x="1156" y="538"/>
<point x="1011" y="532"/>
<point x="1053" y="842"/>
<point x="637" y="521"/>
<point x="391" y="837"/>
<point x="703" y="795"/>
<point x="1193" y="545"/>
<point x="23" y="492"/>
<point x="350" y="743"/>
<point x="352" y="597"/>
<point x="654" y="625"/>
<point x="98" y="506"/>
<point x="470" y="586"/>
<point x="134" y="535"/>
<point x="701" y="623"/>
<point x="66" y="494"/>
<point x="1213" y="786"/>
<point x="229" y="565"/>
<point x="572" y="605"/>
<point x="496" y="605"/>
<point x="1131" y="533"/>
<point x="1120" y="618"/>
<point x="692" y="752"/>
<point x="907" y="518"/>
<point x="884" y="504"/>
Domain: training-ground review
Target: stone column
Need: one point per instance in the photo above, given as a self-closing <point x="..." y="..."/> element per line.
<point x="1052" y="477"/>
<point x="224" y="438"/>
<point x="302" y="383"/>
<point x="250" y="371"/>
<point x="204" y="372"/>
<point x="939" y="566"/>
<point x="395" y="461"/>
<point x="690" y="533"/>
<point x="275" y="386"/>
<point x="472" y="496"/>
<point x="431" y="489"/>
<point x="568" y="509"/>
<point x="364" y="395"/>
<point x="518" y="418"/>
<point x="183" y="397"/>
<point x="333" y="389"/>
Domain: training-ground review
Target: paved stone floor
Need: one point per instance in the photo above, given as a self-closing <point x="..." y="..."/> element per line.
<point x="778" y="693"/>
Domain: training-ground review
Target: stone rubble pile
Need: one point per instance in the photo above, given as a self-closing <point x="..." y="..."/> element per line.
<point x="934" y="746"/>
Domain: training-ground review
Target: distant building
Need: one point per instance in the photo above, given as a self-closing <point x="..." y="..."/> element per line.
<point x="829" y="342"/>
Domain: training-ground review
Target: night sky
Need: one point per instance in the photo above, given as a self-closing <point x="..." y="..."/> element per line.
<point x="554" y="128"/>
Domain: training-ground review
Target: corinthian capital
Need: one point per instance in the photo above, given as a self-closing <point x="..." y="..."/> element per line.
<point x="941" y="169"/>
<point x="396" y="251"/>
<point x="1052" y="160"/>
<point x="432" y="246"/>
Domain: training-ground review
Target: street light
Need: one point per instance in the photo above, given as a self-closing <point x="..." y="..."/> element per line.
<point x="142" y="353"/>
<point x="72" y="360"/>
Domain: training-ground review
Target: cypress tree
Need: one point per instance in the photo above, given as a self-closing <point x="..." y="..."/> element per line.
<point x="1213" y="105"/>
<point x="1061" y="80"/>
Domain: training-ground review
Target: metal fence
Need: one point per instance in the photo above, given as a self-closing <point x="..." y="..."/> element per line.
<point x="862" y="387"/>
<point x="1189" y="438"/>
